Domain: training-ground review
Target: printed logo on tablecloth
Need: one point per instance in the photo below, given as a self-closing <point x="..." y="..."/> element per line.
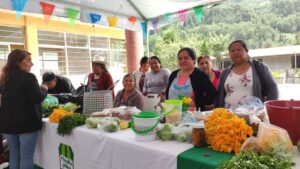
<point x="66" y="157"/>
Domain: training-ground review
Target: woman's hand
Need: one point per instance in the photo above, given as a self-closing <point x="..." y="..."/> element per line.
<point x="43" y="86"/>
<point x="209" y="107"/>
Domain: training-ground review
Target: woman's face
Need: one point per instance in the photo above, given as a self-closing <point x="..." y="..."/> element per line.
<point x="128" y="83"/>
<point x="237" y="53"/>
<point x="205" y="65"/>
<point x="26" y="64"/>
<point x="97" y="69"/>
<point x="185" y="61"/>
<point x="154" y="65"/>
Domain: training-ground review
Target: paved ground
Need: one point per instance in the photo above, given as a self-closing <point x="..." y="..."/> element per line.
<point x="289" y="91"/>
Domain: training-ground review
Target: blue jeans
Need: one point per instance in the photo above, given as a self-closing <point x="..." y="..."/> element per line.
<point x="21" y="149"/>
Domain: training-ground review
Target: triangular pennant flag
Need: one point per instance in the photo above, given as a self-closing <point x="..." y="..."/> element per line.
<point x="47" y="10"/>
<point x="198" y="11"/>
<point x="18" y="6"/>
<point x="167" y="16"/>
<point x="112" y="21"/>
<point x="72" y="15"/>
<point x="155" y="24"/>
<point x="132" y="19"/>
<point x="182" y="16"/>
<point x="95" y="17"/>
<point x="144" y="28"/>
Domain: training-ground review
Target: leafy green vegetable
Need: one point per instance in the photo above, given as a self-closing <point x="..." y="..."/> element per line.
<point x="67" y="123"/>
<point x="250" y="160"/>
<point x="70" y="107"/>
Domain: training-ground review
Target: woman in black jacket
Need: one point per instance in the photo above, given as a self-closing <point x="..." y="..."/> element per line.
<point x="20" y="111"/>
<point x="189" y="81"/>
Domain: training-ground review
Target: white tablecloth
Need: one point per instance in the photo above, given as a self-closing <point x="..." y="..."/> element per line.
<point x="94" y="149"/>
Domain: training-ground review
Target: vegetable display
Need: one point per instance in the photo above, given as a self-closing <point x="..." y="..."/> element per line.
<point x="68" y="123"/>
<point x="247" y="159"/>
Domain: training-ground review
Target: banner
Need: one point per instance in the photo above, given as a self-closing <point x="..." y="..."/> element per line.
<point x="47" y="10"/>
<point x="182" y="16"/>
<point x="132" y="19"/>
<point x="66" y="157"/>
<point x="155" y="24"/>
<point x="112" y="21"/>
<point x="144" y="28"/>
<point x="95" y="17"/>
<point x="167" y="16"/>
<point x="72" y="15"/>
<point x="198" y="12"/>
<point x="18" y="6"/>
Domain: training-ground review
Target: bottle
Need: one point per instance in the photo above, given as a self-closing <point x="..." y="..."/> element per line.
<point x="198" y="136"/>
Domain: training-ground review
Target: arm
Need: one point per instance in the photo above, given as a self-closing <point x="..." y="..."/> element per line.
<point x="139" y="102"/>
<point x="166" y="79"/>
<point x="34" y="92"/>
<point x="270" y="84"/>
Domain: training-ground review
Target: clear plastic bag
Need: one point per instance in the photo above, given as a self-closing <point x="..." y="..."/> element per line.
<point x="273" y="139"/>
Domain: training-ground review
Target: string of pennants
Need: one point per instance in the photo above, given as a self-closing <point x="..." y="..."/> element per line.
<point x="72" y="14"/>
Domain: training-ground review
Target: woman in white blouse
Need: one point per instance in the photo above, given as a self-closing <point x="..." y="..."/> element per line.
<point x="244" y="77"/>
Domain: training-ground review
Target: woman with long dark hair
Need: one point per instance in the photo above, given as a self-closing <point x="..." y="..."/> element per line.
<point x="20" y="111"/>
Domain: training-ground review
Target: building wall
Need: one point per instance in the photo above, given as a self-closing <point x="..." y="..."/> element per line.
<point x="33" y="23"/>
<point x="278" y="63"/>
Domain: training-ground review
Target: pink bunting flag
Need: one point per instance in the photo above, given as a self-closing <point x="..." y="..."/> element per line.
<point x="182" y="16"/>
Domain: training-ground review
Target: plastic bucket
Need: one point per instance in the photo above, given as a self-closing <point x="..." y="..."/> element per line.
<point x="172" y="110"/>
<point x="285" y="114"/>
<point x="144" y="125"/>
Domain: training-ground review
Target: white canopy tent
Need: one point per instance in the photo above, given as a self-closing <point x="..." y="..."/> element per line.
<point x="143" y="10"/>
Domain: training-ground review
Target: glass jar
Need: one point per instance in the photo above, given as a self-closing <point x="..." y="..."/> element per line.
<point x="198" y="136"/>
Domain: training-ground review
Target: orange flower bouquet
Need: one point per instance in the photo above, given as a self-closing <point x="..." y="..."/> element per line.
<point x="225" y="131"/>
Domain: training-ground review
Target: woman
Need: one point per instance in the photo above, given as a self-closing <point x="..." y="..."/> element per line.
<point x="130" y="95"/>
<point x="156" y="80"/>
<point x="205" y="64"/>
<point x="100" y="78"/>
<point x="141" y="73"/>
<point x="190" y="82"/>
<point x="20" y="111"/>
<point x="244" y="78"/>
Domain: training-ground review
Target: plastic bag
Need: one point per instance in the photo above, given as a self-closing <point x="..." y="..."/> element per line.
<point x="252" y="144"/>
<point x="274" y="139"/>
<point x="50" y="101"/>
<point x="188" y="117"/>
<point x="183" y="132"/>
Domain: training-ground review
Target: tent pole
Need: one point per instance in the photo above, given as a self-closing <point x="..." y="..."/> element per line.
<point x="147" y="40"/>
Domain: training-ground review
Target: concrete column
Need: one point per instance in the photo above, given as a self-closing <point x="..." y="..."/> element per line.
<point x="31" y="45"/>
<point x="134" y="49"/>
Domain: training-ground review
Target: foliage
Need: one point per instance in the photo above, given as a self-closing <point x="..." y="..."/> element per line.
<point x="298" y="73"/>
<point x="276" y="74"/>
<point x="271" y="23"/>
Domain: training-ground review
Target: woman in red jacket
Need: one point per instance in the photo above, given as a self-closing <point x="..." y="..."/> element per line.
<point x="100" y="78"/>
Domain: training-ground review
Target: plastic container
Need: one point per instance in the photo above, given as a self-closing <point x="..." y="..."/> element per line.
<point x="285" y="114"/>
<point x="144" y="125"/>
<point x="172" y="109"/>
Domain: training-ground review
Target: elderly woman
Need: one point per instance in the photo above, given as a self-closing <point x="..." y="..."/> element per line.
<point x="100" y="78"/>
<point x="190" y="82"/>
<point x="141" y="73"/>
<point x="156" y="81"/>
<point x="244" y="77"/>
<point x="130" y="95"/>
<point x="205" y="64"/>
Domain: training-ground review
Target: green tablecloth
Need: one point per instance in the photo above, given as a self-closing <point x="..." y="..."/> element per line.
<point x="195" y="158"/>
